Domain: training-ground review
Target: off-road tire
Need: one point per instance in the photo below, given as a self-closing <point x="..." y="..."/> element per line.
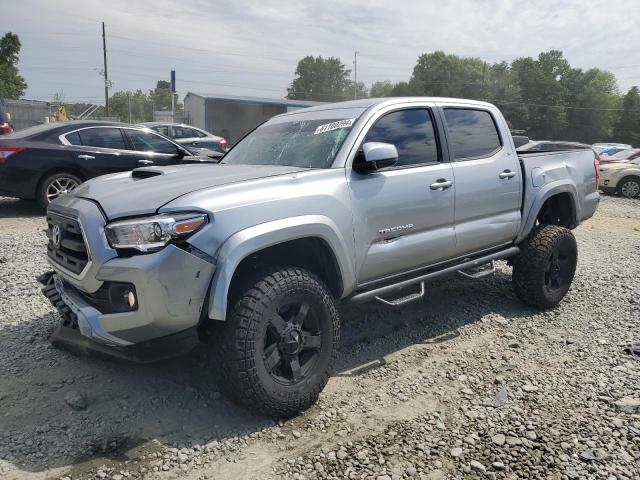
<point x="629" y="187"/>
<point x="531" y="266"/>
<point x="41" y="194"/>
<point x="240" y="347"/>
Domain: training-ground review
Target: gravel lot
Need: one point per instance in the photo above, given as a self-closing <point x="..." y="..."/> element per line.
<point x="468" y="383"/>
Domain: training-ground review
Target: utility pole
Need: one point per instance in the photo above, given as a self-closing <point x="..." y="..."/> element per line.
<point x="129" y="99"/>
<point x="106" y="77"/>
<point x="355" y="75"/>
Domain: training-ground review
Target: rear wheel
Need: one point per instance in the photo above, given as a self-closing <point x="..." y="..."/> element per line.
<point x="55" y="186"/>
<point x="278" y="347"/>
<point x="629" y="187"/>
<point x="544" y="268"/>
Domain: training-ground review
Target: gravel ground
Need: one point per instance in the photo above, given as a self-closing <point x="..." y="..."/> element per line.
<point x="468" y="383"/>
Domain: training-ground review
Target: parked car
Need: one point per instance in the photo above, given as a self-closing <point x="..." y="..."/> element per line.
<point x="621" y="178"/>
<point x="622" y="156"/>
<point x="601" y="147"/>
<point x="552" y="146"/>
<point x="349" y="202"/>
<point x="195" y="139"/>
<point x="46" y="161"/>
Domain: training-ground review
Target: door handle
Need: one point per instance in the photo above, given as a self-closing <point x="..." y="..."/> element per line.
<point x="145" y="162"/>
<point x="441" y="184"/>
<point x="86" y="157"/>
<point x="507" y="174"/>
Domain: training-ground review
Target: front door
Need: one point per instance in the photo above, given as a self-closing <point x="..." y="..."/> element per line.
<point x="151" y="149"/>
<point x="403" y="218"/>
<point x="488" y="179"/>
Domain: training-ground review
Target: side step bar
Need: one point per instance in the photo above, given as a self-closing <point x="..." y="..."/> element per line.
<point x="384" y="290"/>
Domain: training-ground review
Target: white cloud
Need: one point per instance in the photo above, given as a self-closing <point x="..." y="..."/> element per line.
<point x="251" y="47"/>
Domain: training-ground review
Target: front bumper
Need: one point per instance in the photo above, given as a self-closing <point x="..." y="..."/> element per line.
<point x="170" y="286"/>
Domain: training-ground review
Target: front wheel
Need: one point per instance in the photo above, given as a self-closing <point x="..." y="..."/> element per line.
<point x="544" y="268"/>
<point x="278" y="346"/>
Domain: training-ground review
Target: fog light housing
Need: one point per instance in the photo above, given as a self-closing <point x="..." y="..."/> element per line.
<point x="122" y="297"/>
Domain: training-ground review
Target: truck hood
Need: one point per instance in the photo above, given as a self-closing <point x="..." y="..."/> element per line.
<point x="144" y="190"/>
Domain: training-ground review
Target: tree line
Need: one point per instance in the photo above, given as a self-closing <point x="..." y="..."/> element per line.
<point x="545" y="96"/>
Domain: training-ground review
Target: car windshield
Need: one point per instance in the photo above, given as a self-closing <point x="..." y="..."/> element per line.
<point x="624" y="154"/>
<point x="308" y="143"/>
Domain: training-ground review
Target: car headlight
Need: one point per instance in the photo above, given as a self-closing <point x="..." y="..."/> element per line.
<point x="153" y="233"/>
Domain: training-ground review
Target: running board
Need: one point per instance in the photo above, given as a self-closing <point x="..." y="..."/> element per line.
<point x="480" y="273"/>
<point x="403" y="300"/>
<point x="376" y="293"/>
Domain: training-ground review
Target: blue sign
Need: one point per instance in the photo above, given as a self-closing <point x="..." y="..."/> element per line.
<point x="173" y="81"/>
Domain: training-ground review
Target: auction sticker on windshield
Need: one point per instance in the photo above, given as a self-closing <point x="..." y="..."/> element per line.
<point x="334" y="126"/>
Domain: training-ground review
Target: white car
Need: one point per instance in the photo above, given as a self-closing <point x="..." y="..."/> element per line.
<point x="195" y="139"/>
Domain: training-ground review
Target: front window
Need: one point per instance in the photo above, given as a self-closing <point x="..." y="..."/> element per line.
<point x="150" y="142"/>
<point x="305" y="142"/>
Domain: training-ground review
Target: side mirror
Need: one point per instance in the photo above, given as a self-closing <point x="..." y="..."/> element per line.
<point x="375" y="156"/>
<point x="181" y="153"/>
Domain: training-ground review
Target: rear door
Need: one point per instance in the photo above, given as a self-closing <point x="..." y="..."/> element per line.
<point x="101" y="150"/>
<point x="487" y="175"/>
<point x="403" y="219"/>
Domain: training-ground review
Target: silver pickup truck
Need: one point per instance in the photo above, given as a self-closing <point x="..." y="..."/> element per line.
<point x="347" y="202"/>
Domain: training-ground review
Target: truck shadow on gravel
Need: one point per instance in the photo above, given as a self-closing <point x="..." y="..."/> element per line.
<point x="133" y="409"/>
<point x="16" y="208"/>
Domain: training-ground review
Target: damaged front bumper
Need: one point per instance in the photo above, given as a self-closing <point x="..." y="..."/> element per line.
<point x="76" y="312"/>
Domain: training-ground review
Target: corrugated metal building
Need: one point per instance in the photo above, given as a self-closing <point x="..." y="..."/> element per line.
<point x="26" y="113"/>
<point x="232" y="117"/>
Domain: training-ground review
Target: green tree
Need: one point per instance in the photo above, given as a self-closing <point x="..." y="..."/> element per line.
<point x="593" y="96"/>
<point x="12" y="84"/>
<point x="440" y="75"/>
<point x="627" y="128"/>
<point x="161" y="96"/>
<point x="381" y="89"/>
<point x="131" y="107"/>
<point x="543" y="92"/>
<point x="402" y="89"/>
<point x="322" y="80"/>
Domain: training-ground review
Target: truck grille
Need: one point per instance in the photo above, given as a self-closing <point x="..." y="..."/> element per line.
<point x="66" y="246"/>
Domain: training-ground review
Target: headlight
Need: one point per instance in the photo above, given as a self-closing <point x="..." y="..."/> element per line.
<point x="152" y="233"/>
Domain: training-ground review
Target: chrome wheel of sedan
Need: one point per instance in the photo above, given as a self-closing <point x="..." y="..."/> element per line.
<point x="60" y="186"/>
<point x="56" y="186"/>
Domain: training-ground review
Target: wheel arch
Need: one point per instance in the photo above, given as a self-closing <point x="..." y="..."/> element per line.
<point x="300" y="241"/>
<point x="553" y="205"/>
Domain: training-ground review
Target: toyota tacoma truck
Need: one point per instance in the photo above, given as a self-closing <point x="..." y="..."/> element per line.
<point x="340" y="203"/>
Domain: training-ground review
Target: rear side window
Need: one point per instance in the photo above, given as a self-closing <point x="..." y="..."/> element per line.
<point x="161" y="129"/>
<point x="102" y="137"/>
<point x="73" y="138"/>
<point x="472" y="133"/>
<point x="411" y="131"/>
<point x="183" y="132"/>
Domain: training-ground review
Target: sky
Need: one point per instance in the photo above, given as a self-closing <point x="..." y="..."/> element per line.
<point x="251" y="47"/>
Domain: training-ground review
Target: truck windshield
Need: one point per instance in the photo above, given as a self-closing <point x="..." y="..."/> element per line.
<point x="303" y="143"/>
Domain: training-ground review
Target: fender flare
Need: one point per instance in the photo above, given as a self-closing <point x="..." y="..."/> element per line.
<point x="253" y="239"/>
<point x="547" y="191"/>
